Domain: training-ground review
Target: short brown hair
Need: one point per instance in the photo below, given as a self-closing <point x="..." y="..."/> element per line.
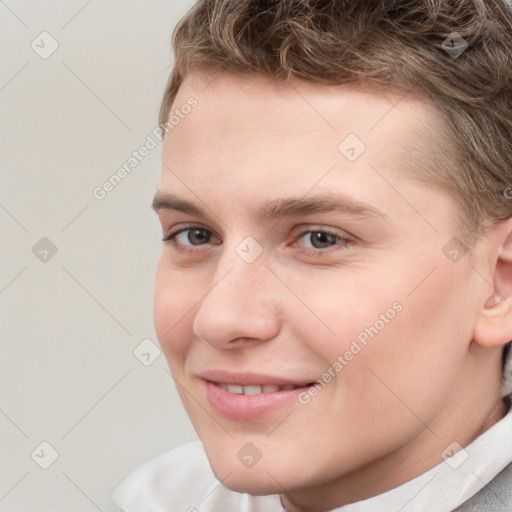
<point x="399" y="44"/>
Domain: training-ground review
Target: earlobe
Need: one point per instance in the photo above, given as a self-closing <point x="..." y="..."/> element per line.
<point x="493" y="300"/>
<point x="494" y="323"/>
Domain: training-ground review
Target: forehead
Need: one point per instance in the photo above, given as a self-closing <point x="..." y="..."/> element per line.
<point x="319" y="106"/>
<point x="255" y="114"/>
<point x="249" y="133"/>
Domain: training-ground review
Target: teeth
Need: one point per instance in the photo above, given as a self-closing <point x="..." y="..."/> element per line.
<point x="238" y="390"/>
<point x="270" y="388"/>
<point x="254" y="389"/>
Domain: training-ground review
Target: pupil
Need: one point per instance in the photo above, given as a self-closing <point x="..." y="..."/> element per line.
<point x="320" y="239"/>
<point x="197" y="236"/>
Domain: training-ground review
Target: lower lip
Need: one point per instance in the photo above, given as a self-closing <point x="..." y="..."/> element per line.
<point x="249" y="407"/>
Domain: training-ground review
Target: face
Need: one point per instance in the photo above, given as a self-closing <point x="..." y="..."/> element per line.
<point x="306" y="299"/>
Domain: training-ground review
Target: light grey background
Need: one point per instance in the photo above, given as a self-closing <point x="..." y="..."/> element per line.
<point x="70" y="322"/>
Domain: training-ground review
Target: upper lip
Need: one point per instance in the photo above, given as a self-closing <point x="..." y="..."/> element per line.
<point x="249" y="378"/>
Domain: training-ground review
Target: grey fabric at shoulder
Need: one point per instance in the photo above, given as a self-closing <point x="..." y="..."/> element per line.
<point x="496" y="496"/>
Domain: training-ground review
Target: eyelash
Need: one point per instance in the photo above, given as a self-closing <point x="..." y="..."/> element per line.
<point x="342" y="241"/>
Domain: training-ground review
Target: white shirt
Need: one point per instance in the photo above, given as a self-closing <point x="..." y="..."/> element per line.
<point x="181" y="480"/>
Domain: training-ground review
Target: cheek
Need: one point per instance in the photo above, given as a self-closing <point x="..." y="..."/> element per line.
<point x="341" y="310"/>
<point x="384" y="342"/>
<point x="415" y="360"/>
<point x="173" y="301"/>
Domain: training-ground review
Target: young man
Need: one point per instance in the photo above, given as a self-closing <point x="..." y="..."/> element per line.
<point x="334" y="295"/>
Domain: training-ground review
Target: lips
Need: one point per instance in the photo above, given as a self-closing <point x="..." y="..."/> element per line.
<point x="248" y="396"/>
<point x="250" y="379"/>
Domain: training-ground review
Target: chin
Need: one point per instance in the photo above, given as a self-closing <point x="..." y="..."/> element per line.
<point x="266" y="477"/>
<point x="251" y="481"/>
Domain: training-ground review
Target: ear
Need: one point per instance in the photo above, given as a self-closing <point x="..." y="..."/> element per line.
<point x="494" y="323"/>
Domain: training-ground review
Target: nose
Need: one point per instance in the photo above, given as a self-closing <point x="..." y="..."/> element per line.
<point x="239" y="307"/>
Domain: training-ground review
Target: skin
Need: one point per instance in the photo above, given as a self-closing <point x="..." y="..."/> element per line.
<point x="431" y="375"/>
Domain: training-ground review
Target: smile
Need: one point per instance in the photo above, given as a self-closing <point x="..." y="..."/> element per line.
<point x="255" y="389"/>
<point x="249" y="402"/>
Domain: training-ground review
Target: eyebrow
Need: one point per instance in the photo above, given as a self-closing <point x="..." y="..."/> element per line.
<point x="285" y="207"/>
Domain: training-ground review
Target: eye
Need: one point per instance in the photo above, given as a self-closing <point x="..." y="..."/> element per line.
<point x="189" y="236"/>
<point x="321" y="239"/>
<point x="318" y="241"/>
